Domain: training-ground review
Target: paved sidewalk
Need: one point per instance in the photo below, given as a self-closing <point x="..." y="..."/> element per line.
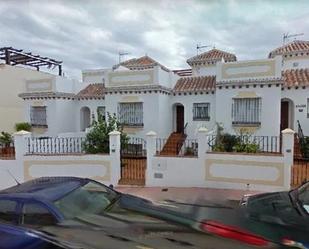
<point x="185" y="194"/>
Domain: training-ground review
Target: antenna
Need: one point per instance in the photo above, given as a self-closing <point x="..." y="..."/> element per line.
<point x="286" y="36"/>
<point x="13" y="177"/>
<point x="199" y="47"/>
<point x="121" y="54"/>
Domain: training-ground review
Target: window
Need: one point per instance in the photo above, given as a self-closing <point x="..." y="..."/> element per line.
<point x="36" y="214"/>
<point x="130" y="114"/>
<point x="246" y="111"/>
<point x="201" y="111"/>
<point x="38" y="116"/>
<point x="101" y="111"/>
<point x="7" y="211"/>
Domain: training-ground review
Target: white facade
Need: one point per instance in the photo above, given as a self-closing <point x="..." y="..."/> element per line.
<point x="158" y="91"/>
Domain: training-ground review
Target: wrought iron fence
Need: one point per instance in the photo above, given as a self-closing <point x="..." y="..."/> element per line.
<point x="166" y="147"/>
<point x="7" y="152"/>
<point x="262" y="144"/>
<point x="189" y="148"/>
<point x="55" y="145"/>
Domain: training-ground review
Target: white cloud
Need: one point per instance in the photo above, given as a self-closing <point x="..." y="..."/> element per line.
<point x="87" y="34"/>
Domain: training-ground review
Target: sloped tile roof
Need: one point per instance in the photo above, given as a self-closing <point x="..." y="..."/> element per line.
<point x="142" y="62"/>
<point x="92" y="90"/>
<point x="183" y="72"/>
<point x="194" y="84"/>
<point x="296" y="77"/>
<point x="212" y="55"/>
<point x="292" y="47"/>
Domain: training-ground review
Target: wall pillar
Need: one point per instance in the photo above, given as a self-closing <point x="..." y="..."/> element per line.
<point x="288" y="154"/>
<point x="151" y="138"/>
<point x="21" y="143"/>
<point x="21" y="148"/>
<point x="202" y="141"/>
<point x="114" y="151"/>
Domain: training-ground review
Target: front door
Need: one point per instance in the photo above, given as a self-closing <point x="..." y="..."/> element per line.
<point x="284" y="115"/>
<point x="179" y="119"/>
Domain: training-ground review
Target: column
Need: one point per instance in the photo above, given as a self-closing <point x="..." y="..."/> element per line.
<point x="114" y="151"/>
<point x="151" y="145"/>
<point x="288" y="154"/>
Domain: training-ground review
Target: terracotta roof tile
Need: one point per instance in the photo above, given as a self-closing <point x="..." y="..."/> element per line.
<point x="292" y="47"/>
<point x="92" y="90"/>
<point x="183" y="72"/>
<point x="212" y="55"/>
<point x="142" y="62"/>
<point x="194" y="84"/>
<point x="296" y="77"/>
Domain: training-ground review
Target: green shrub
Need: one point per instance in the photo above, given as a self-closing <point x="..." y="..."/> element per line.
<point x="247" y="147"/>
<point x="23" y="126"/>
<point x="97" y="139"/>
<point x="226" y="142"/>
<point x="6" y="139"/>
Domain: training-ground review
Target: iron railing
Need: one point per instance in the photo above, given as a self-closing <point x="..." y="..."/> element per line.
<point x="135" y="147"/>
<point x="7" y="152"/>
<point x="265" y="144"/>
<point x="187" y="147"/>
<point x="303" y="142"/>
<point x="55" y="145"/>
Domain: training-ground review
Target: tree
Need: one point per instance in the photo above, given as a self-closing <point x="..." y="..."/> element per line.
<point x="97" y="139"/>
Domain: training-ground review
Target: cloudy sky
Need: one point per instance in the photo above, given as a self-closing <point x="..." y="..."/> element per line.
<point x="89" y="34"/>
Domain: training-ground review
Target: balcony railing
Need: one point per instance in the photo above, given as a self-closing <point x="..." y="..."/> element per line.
<point x="55" y="145"/>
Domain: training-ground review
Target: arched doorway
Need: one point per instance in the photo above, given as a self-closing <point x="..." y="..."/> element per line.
<point x="287" y="114"/>
<point x="84" y="118"/>
<point x="179" y="117"/>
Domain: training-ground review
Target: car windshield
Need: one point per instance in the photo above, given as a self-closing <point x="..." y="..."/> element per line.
<point x="303" y="196"/>
<point x="91" y="198"/>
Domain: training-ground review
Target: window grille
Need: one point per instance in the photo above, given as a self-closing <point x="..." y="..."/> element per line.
<point x="246" y="111"/>
<point x="101" y="111"/>
<point x="130" y="114"/>
<point x="201" y="111"/>
<point x="38" y="116"/>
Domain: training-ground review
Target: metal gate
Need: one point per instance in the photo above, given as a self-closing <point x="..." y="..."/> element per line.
<point x="133" y="162"/>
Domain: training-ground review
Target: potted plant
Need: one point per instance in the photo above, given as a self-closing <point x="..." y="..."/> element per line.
<point x="23" y="126"/>
<point x="189" y="151"/>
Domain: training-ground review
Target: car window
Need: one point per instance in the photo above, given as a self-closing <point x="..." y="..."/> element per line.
<point x="92" y="198"/>
<point x="36" y="214"/>
<point x="8" y="211"/>
<point x="303" y="196"/>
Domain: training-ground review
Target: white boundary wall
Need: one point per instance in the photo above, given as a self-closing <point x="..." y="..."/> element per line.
<point x="104" y="168"/>
<point x="262" y="172"/>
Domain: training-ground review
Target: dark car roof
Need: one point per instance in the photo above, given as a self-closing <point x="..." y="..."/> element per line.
<point x="48" y="188"/>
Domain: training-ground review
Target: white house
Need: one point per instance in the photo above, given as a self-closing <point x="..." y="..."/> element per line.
<point x="260" y="96"/>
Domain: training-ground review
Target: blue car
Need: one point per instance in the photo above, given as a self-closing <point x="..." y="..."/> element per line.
<point x="71" y="212"/>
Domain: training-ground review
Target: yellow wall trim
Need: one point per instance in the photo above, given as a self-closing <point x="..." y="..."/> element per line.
<point x="276" y="182"/>
<point x="61" y="163"/>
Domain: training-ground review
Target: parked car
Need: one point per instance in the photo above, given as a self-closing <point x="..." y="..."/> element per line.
<point x="81" y="213"/>
<point x="287" y="211"/>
